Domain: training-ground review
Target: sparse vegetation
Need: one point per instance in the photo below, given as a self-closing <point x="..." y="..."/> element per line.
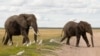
<point x="44" y="49"/>
<point x="33" y="50"/>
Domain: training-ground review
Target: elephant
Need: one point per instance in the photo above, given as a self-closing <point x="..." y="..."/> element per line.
<point x="19" y="25"/>
<point x="77" y="29"/>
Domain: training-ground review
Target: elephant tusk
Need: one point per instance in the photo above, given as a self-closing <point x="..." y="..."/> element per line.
<point x="35" y="33"/>
<point x="38" y="34"/>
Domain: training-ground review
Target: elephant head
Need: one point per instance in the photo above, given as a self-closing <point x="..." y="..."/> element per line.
<point x="30" y="20"/>
<point x="86" y="27"/>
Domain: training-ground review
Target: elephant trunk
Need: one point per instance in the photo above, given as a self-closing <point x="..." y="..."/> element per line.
<point x="92" y="38"/>
<point x="92" y="41"/>
<point x="35" y="27"/>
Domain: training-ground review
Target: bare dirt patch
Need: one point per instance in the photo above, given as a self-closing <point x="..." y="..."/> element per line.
<point x="83" y="50"/>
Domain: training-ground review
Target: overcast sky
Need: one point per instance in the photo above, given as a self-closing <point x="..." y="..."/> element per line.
<point x="53" y="13"/>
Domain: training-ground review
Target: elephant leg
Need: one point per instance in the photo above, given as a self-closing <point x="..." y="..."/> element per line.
<point x="6" y="40"/>
<point x="27" y="31"/>
<point x="11" y="40"/>
<point x="86" y="40"/>
<point x="63" y="38"/>
<point x="35" y="38"/>
<point x="23" y="40"/>
<point x="68" y="41"/>
<point x="78" y="40"/>
<point x="25" y="37"/>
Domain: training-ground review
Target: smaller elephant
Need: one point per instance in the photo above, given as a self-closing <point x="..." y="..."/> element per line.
<point x="77" y="29"/>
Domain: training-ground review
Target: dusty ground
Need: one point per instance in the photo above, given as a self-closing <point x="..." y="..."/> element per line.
<point x="83" y="50"/>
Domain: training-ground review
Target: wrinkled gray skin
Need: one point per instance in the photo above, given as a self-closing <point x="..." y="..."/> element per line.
<point x="77" y="29"/>
<point x="19" y="25"/>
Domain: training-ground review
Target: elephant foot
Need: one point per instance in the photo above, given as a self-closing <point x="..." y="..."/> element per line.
<point x="5" y="43"/>
<point x="88" y="45"/>
<point x="10" y="44"/>
<point x="77" y="45"/>
<point x="67" y="43"/>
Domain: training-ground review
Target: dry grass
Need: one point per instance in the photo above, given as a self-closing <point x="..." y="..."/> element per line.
<point x="33" y="50"/>
<point x="45" y="34"/>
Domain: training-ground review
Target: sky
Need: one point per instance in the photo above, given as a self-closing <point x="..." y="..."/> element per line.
<point x="53" y="13"/>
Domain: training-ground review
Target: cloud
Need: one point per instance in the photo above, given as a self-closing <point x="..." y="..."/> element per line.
<point x="40" y="6"/>
<point x="12" y="2"/>
<point x="51" y="12"/>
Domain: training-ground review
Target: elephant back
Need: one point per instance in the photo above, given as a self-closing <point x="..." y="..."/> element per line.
<point x="69" y="28"/>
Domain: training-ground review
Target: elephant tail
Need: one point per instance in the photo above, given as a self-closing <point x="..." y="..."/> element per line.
<point x="4" y="37"/>
<point x="62" y="33"/>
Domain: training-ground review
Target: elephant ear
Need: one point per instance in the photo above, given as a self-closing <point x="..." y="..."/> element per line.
<point x="21" y="20"/>
<point x="31" y="19"/>
<point x="81" y="26"/>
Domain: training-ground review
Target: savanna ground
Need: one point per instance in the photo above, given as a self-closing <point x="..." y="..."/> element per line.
<point x="48" y="48"/>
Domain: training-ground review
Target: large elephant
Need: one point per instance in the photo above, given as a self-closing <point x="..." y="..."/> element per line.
<point x="19" y="25"/>
<point x="77" y="29"/>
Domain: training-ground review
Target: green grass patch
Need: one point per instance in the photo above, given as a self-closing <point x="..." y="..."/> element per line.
<point x="32" y="50"/>
<point x="44" y="49"/>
